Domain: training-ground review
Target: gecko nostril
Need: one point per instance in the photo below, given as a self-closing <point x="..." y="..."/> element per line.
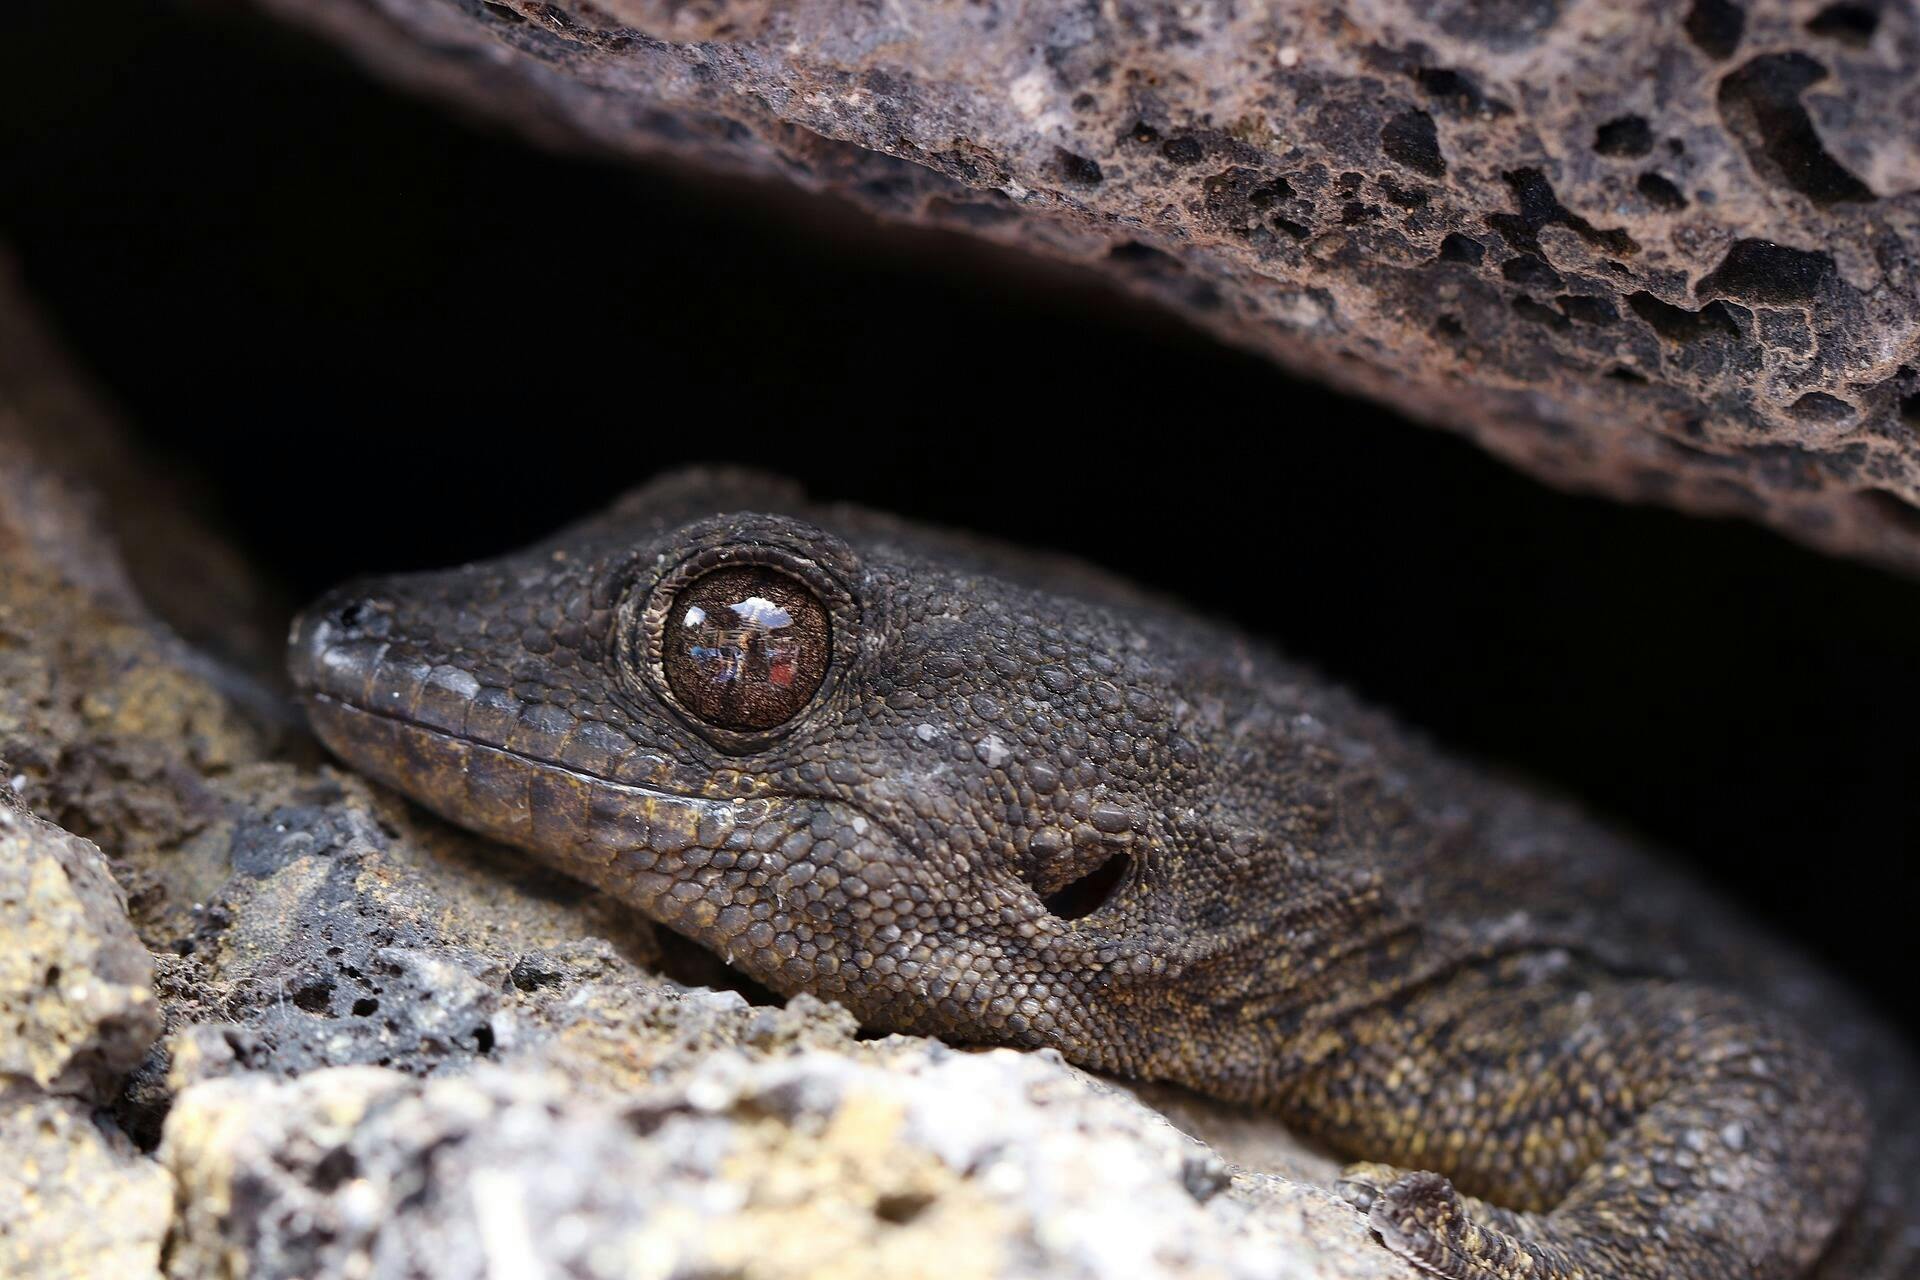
<point x="363" y="616"/>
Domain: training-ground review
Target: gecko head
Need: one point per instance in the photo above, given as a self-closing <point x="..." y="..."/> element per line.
<point x="962" y="789"/>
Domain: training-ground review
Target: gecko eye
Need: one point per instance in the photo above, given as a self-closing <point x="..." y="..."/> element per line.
<point x="745" y="648"/>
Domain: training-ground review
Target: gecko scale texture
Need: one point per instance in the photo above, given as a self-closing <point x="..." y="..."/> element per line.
<point x="1003" y="798"/>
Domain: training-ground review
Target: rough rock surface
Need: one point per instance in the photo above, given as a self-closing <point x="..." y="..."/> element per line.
<point x="76" y="1199"/>
<point x="1669" y="252"/>
<point x="76" y="987"/>
<point x="833" y="1161"/>
<point x="389" y="1049"/>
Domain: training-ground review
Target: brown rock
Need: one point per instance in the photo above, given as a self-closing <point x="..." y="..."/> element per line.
<point x="1665" y="252"/>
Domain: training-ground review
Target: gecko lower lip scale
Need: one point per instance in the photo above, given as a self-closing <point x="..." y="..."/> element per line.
<point x="1003" y="798"/>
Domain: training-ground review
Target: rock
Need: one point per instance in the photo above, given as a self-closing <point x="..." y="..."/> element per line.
<point x="76" y="986"/>
<point x="77" y="1004"/>
<point x="82" y="504"/>
<point x="1664" y="252"/>
<point x="905" y="1159"/>
<point x="76" y="1200"/>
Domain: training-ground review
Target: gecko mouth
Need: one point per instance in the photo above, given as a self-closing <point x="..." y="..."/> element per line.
<point x="581" y="820"/>
<point x="674" y="858"/>
<point x="529" y="773"/>
<point x="463" y="778"/>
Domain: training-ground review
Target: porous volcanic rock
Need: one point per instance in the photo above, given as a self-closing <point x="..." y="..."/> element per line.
<point x="389" y="1049"/>
<point x="1668" y="252"/>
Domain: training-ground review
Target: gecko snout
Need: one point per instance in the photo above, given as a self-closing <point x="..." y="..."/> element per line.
<point x="343" y="621"/>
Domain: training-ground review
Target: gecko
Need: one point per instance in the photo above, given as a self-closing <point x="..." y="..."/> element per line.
<point x="1002" y="797"/>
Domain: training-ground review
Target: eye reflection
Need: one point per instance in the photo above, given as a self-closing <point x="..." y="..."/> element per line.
<point x="749" y="648"/>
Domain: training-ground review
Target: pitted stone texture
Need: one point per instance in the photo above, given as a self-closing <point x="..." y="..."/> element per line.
<point x="76" y="1200"/>
<point x="903" y="1160"/>
<point x="1661" y="252"/>
<point x="77" y="1007"/>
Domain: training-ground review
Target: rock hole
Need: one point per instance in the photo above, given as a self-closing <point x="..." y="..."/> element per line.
<point x="1270" y="192"/>
<point x="314" y="997"/>
<point x="1849" y="23"/>
<point x="52" y="978"/>
<point x="1539" y="207"/>
<point x="1910" y="410"/>
<point x="1765" y="272"/>
<point x="1625" y="136"/>
<point x="1411" y="139"/>
<point x="1091" y="891"/>
<point x="1405" y="197"/>
<point x="1077" y="169"/>
<point x="1677" y="324"/>
<point x="901" y="1207"/>
<point x="1457" y="91"/>
<point x="335" y="1169"/>
<point x="1531" y="272"/>
<point x="483" y="1038"/>
<point x="1632" y="377"/>
<point x="1459" y="248"/>
<point x="1204" y="1179"/>
<point x="1661" y="193"/>
<point x="1183" y="150"/>
<point x="365" y="1007"/>
<point x="501" y="11"/>
<point x="532" y="972"/>
<point x="1760" y="105"/>
<point x="1818" y="406"/>
<point x="1715" y="27"/>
